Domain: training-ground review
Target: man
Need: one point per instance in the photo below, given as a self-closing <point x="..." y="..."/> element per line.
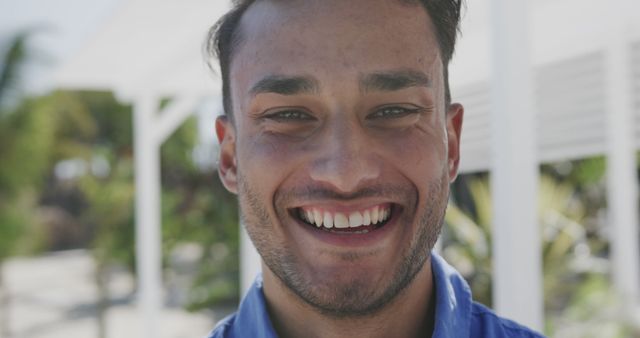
<point x="340" y="140"/>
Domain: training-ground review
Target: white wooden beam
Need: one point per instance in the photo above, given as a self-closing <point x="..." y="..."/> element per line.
<point x="517" y="281"/>
<point x="147" y="211"/>
<point x="172" y="116"/>
<point x="622" y="183"/>
<point x="151" y="129"/>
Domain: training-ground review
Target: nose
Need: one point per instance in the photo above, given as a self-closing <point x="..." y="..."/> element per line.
<point x="347" y="160"/>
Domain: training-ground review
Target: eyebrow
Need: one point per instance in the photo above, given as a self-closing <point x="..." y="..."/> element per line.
<point x="378" y="81"/>
<point x="285" y="85"/>
<point x="394" y="80"/>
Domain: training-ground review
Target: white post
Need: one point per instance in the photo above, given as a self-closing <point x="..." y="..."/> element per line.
<point x="517" y="280"/>
<point x="147" y="211"/>
<point x="249" y="261"/>
<point x="622" y="184"/>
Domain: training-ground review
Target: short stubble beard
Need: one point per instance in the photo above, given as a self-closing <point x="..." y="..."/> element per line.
<point x="356" y="298"/>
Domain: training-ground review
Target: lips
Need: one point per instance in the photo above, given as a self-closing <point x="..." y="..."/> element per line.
<point x="358" y="220"/>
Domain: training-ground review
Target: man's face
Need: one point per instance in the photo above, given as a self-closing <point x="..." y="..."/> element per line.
<point x="341" y="150"/>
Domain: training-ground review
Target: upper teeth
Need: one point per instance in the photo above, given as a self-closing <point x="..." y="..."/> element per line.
<point x="319" y="217"/>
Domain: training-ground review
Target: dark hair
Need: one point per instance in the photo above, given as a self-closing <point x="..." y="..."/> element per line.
<point x="223" y="39"/>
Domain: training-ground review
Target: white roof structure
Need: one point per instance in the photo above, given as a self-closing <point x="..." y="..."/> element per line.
<point x="149" y="46"/>
<point x="569" y="40"/>
<point x="584" y="78"/>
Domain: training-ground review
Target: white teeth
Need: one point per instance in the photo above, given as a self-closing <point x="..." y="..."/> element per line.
<point x="366" y="217"/>
<point x="374" y="216"/>
<point x="317" y="217"/>
<point x="328" y="220"/>
<point x="309" y="216"/>
<point x="385" y="216"/>
<point x="340" y="220"/>
<point x="355" y="219"/>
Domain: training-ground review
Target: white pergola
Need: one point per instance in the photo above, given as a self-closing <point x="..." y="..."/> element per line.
<point x="540" y="80"/>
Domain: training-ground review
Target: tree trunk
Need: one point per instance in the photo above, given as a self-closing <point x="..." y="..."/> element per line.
<point x="103" y="298"/>
<point x="4" y="307"/>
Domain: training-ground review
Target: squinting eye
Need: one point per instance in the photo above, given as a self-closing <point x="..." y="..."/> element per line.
<point x="392" y="112"/>
<point x="290" y="115"/>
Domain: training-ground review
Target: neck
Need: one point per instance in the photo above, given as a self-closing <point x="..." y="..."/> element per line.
<point x="410" y="315"/>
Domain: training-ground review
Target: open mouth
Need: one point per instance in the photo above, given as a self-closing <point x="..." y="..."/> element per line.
<point x="353" y="222"/>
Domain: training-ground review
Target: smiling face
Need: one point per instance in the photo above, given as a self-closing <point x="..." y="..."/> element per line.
<point x="340" y="149"/>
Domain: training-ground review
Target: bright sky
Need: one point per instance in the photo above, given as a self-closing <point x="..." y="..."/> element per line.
<point x="65" y="25"/>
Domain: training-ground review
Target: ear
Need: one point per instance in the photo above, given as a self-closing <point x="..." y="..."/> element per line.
<point x="227" y="163"/>
<point x="454" y="130"/>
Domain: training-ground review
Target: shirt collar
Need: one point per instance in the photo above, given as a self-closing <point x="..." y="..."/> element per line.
<point x="453" y="301"/>
<point x="252" y="319"/>
<point x="453" y="306"/>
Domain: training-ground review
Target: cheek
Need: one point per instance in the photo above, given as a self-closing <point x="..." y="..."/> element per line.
<point x="270" y="151"/>
<point x="266" y="160"/>
<point x="421" y="155"/>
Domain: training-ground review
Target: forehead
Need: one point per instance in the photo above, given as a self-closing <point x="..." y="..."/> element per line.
<point x="326" y="38"/>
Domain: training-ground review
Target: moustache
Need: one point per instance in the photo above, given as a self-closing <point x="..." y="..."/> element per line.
<point x="319" y="192"/>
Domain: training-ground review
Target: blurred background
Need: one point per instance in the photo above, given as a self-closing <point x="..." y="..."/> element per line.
<point x="85" y="86"/>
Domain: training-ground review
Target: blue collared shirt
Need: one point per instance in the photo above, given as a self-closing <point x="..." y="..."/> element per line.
<point x="457" y="315"/>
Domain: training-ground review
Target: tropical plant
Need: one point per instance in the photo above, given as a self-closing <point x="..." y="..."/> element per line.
<point x="25" y="143"/>
<point x="198" y="210"/>
<point x="67" y="160"/>
<point x="572" y="259"/>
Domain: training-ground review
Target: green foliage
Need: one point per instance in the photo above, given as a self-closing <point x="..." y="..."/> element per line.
<point x="111" y="214"/>
<point x="93" y="131"/>
<point x="589" y="171"/>
<point x="25" y="145"/>
<point x="467" y="242"/>
<point x="195" y="206"/>
<point x="42" y="131"/>
<point x="11" y="67"/>
<point x="14" y="216"/>
<point x="575" y="283"/>
<point x="594" y="312"/>
<point x="26" y="136"/>
<point x="103" y="127"/>
<point x="217" y="279"/>
<point x="198" y="209"/>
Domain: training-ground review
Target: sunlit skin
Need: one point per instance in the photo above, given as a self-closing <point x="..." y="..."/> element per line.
<point x="340" y="105"/>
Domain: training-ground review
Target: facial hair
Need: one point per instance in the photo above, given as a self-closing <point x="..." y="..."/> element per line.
<point x="357" y="297"/>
